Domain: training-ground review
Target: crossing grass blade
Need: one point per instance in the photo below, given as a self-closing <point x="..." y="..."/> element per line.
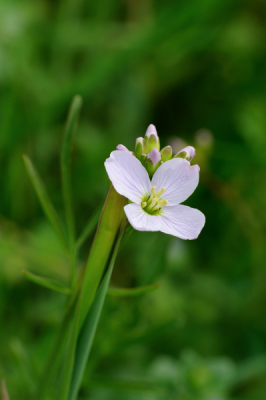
<point x="123" y="292"/>
<point x="88" y="228"/>
<point x="66" y="156"/>
<point x="45" y="201"/>
<point x="46" y="282"/>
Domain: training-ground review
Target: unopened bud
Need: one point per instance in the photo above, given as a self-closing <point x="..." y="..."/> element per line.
<point x="140" y="147"/>
<point x="153" y="142"/>
<point x="143" y="158"/>
<point x="154" y="156"/>
<point x="167" y="153"/>
<point x="187" y="153"/>
<point x="150" y="167"/>
<point x="151" y="131"/>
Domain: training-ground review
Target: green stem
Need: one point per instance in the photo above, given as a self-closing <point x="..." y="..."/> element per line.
<point x="100" y="253"/>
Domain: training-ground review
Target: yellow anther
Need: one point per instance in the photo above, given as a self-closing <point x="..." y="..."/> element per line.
<point x="160" y="205"/>
<point x="163" y="203"/>
<point x="160" y="192"/>
<point x="143" y="204"/>
<point x="153" y="191"/>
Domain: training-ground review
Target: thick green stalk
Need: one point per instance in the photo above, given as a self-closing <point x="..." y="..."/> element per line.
<point x="86" y="335"/>
<point x="101" y="250"/>
<point x="106" y="238"/>
<point x="104" y="243"/>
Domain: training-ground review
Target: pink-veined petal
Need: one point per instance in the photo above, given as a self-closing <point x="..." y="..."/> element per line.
<point x="182" y="221"/>
<point x="128" y="176"/>
<point x="140" y="220"/>
<point x="179" y="178"/>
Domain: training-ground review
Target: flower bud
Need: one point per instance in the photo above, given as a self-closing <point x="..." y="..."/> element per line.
<point x="151" y="131"/>
<point x="150" y="167"/>
<point x="143" y="158"/>
<point x="153" y="142"/>
<point x="140" y="147"/>
<point x="154" y="156"/>
<point x="187" y="153"/>
<point x="166" y="153"/>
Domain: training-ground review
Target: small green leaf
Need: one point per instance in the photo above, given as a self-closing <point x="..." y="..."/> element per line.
<point x="48" y="283"/>
<point x="114" y="291"/>
<point x="45" y="201"/>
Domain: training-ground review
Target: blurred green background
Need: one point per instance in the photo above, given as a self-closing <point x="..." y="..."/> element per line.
<point x="195" y="69"/>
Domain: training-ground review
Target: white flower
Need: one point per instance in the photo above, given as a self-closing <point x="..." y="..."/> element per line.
<point x="156" y="203"/>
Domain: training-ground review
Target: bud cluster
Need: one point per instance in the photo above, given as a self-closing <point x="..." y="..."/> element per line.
<point x="147" y="150"/>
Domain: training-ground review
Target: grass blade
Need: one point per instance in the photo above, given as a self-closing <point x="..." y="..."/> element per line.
<point x="88" y="330"/>
<point x="68" y="365"/>
<point x="69" y="133"/>
<point x="88" y="228"/>
<point x="121" y="292"/>
<point x="46" y="282"/>
<point x="45" y="201"/>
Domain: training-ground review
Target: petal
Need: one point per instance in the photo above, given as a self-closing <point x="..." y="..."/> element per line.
<point x="179" y="178"/>
<point x="121" y="147"/>
<point x="182" y="221"/>
<point x="129" y="177"/>
<point x="140" y="220"/>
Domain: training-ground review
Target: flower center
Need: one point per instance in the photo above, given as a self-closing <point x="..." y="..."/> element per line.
<point x="153" y="204"/>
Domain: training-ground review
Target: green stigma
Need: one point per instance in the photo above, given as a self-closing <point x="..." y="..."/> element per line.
<point x="153" y="204"/>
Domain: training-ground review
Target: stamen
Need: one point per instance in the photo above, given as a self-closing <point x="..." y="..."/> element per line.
<point x="160" y="192"/>
<point x="149" y="200"/>
<point x="163" y="203"/>
<point x="160" y="204"/>
<point x="153" y="202"/>
<point x="153" y="191"/>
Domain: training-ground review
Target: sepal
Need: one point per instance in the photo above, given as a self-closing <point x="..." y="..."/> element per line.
<point x="166" y="153"/>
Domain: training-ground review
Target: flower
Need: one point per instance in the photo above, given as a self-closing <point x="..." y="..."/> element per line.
<point x="155" y="204"/>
